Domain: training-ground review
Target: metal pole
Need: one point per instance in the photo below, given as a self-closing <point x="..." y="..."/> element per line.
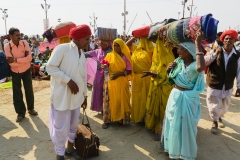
<point x="191" y="9"/>
<point x="46" y="7"/>
<point x="184" y="2"/>
<point x="132" y="22"/>
<point x="6" y="25"/>
<point x="94" y="22"/>
<point x="149" y="17"/>
<point x="124" y="26"/>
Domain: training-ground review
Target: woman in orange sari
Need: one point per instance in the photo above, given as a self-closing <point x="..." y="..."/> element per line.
<point x="120" y="71"/>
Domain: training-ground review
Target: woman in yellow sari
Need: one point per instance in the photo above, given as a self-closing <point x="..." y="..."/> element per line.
<point x="159" y="88"/>
<point x="142" y="60"/>
<point x="120" y="71"/>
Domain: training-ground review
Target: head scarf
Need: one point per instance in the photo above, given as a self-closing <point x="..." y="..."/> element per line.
<point x="231" y="33"/>
<point x="124" y="48"/>
<point x="191" y="47"/>
<point x="80" y="31"/>
<point x="145" y="45"/>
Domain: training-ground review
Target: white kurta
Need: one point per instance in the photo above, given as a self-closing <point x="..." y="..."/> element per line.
<point x="65" y="64"/>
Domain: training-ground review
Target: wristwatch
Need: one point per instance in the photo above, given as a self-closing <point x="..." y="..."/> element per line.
<point x="14" y="59"/>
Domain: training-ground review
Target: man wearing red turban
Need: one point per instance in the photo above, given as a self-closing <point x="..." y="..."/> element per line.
<point x="231" y="33"/>
<point x="68" y="90"/>
<point x="224" y="67"/>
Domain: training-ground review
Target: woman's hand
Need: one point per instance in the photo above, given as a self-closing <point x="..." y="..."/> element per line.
<point x="153" y="74"/>
<point x="104" y="66"/>
<point x="171" y="66"/>
<point x="199" y="36"/>
<point x="115" y="76"/>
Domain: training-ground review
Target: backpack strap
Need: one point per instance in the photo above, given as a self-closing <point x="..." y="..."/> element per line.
<point x="10" y="49"/>
<point x="23" y="44"/>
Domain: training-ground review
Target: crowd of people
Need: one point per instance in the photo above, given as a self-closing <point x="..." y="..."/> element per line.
<point x="146" y="82"/>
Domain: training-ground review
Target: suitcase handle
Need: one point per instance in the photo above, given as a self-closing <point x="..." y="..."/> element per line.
<point x="85" y="115"/>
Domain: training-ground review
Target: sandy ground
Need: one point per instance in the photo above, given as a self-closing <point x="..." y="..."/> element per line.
<point x="29" y="140"/>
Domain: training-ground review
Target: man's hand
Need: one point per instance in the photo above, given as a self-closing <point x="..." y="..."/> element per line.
<point x="237" y="93"/>
<point x="84" y="105"/>
<point x="73" y="87"/>
<point x="153" y="74"/>
<point x="10" y="59"/>
<point x="26" y="53"/>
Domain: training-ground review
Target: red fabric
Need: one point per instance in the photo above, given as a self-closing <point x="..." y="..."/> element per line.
<point x="80" y="31"/>
<point x="141" y="32"/>
<point x="231" y="33"/>
<point x="64" y="31"/>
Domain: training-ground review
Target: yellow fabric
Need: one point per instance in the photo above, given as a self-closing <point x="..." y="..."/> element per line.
<point x="119" y="94"/>
<point x="65" y="39"/>
<point x="159" y="88"/>
<point x="140" y="86"/>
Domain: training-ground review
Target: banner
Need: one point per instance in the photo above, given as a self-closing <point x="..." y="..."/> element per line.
<point x="45" y="24"/>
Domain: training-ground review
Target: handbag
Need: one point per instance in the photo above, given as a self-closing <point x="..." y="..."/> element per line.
<point x="87" y="142"/>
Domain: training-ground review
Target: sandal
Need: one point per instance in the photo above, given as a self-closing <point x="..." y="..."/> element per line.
<point x="20" y="118"/>
<point x="60" y="157"/>
<point x="33" y="112"/>
<point x="104" y="126"/>
<point x="73" y="154"/>
<point x="157" y="137"/>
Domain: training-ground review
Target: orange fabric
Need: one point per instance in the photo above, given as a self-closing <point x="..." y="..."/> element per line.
<point x="23" y="63"/>
<point x="80" y="31"/>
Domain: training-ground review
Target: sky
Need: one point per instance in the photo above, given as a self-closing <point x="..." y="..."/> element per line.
<point x="28" y="15"/>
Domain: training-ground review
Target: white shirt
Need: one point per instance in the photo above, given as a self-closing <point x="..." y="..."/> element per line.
<point x="92" y="45"/>
<point x="208" y="60"/>
<point x="65" y="64"/>
<point x="5" y="42"/>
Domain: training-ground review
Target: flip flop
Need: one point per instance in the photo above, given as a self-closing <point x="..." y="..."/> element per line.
<point x="104" y="126"/>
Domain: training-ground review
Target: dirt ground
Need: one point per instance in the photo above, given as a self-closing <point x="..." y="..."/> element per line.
<point x="29" y="140"/>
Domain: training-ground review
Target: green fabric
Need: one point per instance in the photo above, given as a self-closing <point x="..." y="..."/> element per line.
<point x="174" y="72"/>
<point x="6" y="85"/>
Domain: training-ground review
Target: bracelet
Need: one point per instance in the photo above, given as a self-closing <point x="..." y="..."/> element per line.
<point x="200" y="53"/>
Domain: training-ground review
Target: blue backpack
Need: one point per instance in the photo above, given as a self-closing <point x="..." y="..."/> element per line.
<point x="5" y="70"/>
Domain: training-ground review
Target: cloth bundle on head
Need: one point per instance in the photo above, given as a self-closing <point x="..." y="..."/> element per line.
<point x="191" y="47"/>
<point x="80" y="31"/>
<point x="231" y="33"/>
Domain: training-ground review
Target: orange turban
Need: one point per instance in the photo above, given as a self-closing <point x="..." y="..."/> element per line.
<point x="80" y="31"/>
<point x="231" y="33"/>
